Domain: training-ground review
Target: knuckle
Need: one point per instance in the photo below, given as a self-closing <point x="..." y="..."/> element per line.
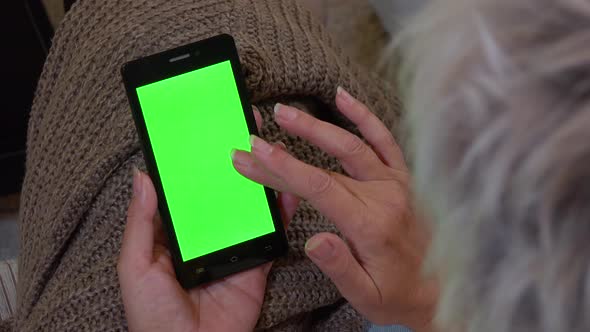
<point x="342" y="267"/>
<point x="401" y="191"/>
<point x="400" y="214"/>
<point x="388" y="138"/>
<point x="132" y="214"/>
<point x="354" y="145"/>
<point x="310" y="124"/>
<point x="364" y="113"/>
<point x="280" y="158"/>
<point x="320" y="182"/>
<point x="279" y="171"/>
<point x="372" y="229"/>
<point x="383" y="239"/>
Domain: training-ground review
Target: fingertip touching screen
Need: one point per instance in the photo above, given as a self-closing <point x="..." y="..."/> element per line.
<point x="193" y="121"/>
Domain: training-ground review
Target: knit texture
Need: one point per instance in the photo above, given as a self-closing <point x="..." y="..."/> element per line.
<point x="82" y="146"/>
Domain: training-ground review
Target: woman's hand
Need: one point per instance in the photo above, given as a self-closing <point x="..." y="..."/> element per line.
<point x="153" y="298"/>
<point x="378" y="268"/>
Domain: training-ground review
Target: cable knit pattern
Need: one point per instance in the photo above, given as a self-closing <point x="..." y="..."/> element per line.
<point x="82" y="146"/>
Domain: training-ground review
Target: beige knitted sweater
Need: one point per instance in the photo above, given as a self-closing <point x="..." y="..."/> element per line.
<point x="82" y="146"/>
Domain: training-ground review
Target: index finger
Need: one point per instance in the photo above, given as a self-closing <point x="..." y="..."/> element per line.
<point x="320" y="188"/>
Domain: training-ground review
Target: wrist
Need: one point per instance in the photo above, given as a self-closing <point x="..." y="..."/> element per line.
<point x="422" y="326"/>
<point x="421" y="319"/>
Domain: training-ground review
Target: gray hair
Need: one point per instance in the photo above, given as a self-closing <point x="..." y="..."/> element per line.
<point x="497" y="95"/>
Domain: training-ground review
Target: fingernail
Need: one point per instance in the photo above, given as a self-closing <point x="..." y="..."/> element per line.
<point x="238" y="159"/>
<point x="318" y="249"/>
<point x="344" y="95"/>
<point x="137" y="183"/>
<point x="285" y="113"/>
<point x="282" y="145"/>
<point x="260" y="145"/>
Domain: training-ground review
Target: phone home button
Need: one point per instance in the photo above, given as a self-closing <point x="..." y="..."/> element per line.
<point x="268" y="248"/>
<point x="234" y="259"/>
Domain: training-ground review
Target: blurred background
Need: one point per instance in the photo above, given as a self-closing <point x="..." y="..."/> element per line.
<point x="26" y="38"/>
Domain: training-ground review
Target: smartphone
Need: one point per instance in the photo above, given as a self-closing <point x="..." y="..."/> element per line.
<point x="190" y="107"/>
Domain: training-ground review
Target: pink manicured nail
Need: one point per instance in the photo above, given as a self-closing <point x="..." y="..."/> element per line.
<point x="281" y="145"/>
<point x="285" y="113"/>
<point x="136" y="181"/>
<point x="344" y="95"/>
<point x="321" y="250"/>
<point x="260" y="145"/>
<point x="138" y="185"/>
<point x="239" y="160"/>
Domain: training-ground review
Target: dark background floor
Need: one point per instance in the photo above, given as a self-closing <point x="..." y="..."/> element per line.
<point x="8" y="227"/>
<point x="25" y="32"/>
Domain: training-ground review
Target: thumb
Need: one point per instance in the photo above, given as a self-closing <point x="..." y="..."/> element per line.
<point x="138" y="240"/>
<point x="334" y="258"/>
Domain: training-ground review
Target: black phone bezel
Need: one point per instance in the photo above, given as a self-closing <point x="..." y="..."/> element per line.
<point x="161" y="66"/>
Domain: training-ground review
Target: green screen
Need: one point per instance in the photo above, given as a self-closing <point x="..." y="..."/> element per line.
<point x="193" y="121"/>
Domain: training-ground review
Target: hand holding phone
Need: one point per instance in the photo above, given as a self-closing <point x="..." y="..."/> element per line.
<point x="155" y="301"/>
<point x="191" y="108"/>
